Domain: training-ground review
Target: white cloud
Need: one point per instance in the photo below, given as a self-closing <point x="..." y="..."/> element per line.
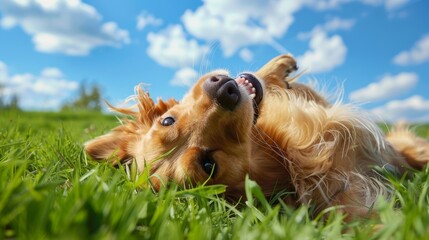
<point x="46" y="91"/>
<point x="419" y="53"/>
<point x="325" y="53"/>
<point x="3" y="73"/>
<point x="241" y="23"/>
<point x="171" y="48"/>
<point x="339" y="24"/>
<point x="333" y="4"/>
<point x="184" y="77"/>
<point x="389" y="5"/>
<point x="7" y="22"/>
<point x="246" y="54"/>
<point x="326" y="4"/>
<point x="389" y="86"/>
<point x="70" y="27"/>
<point x="414" y="109"/>
<point x="332" y="25"/>
<point x="49" y="5"/>
<point x="51" y="73"/>
<point x="394" y="4"/>
<point x="145" y="19"/>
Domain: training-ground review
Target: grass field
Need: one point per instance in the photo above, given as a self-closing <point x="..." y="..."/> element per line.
<point x="50" y="190"/>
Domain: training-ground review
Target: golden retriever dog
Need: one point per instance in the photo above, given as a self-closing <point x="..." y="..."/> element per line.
<point x="283" y="134"/>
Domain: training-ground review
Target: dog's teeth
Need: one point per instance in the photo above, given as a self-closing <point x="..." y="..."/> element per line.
<point x="252" y="96"/>
<point x="247" y="81"/>
<point x="253" y="90"/>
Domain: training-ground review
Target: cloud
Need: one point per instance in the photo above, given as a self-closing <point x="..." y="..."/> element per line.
<point x="414" y="109"/>
<point x="51" y="73"/>
<point x="246" y="54"/>
<point x="145" y="19"/>
<point x="258" y="22"/>
<point x="322" y="5"/>
<point x="325" y="53"/>
<point x="184" y="77"/>
<point x="170" y="48"/>
<point x="394" y="4"/>
<point x="241" y="23"/>
<point x="339" y="24"/>
<point x="332" y="25"/>
<point x="69" y="27"/>
<point x="389" y="86"/>
<point x="419" y="53"/>
<point x="46" y="91"/>
<point x="3" y="73"/>
<point x="389" y="5"/>
<point x="326" y="4"/>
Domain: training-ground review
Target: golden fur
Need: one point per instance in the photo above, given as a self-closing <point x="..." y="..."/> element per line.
<point x="300" y="143"/>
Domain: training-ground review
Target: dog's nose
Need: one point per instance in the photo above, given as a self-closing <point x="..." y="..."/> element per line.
<point x="224" y="90"/>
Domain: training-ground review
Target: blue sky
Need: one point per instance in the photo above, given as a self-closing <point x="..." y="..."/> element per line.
<point x="378" y="50"/>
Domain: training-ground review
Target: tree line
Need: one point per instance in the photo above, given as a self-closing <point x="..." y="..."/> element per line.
<point x="12" y="103"/>
<point x="88" y="99"/>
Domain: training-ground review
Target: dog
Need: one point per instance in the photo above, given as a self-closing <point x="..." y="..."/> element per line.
<point x="282" y="134"/>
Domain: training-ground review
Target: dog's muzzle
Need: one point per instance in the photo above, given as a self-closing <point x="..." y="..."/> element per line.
<point x="224" y="90"/>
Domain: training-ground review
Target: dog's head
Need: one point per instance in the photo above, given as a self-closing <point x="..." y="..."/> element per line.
<point x="207" y="134"/>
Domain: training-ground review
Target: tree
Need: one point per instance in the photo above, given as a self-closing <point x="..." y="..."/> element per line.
<point x="86" y="100"/>
<point x="13" y="101"/>
<point x="2" y="100"/>
<point x="94" y="101"/>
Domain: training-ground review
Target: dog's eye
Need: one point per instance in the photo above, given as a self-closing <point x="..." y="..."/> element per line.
<point x="168" y="121"/>
<point x="209" y="165"/>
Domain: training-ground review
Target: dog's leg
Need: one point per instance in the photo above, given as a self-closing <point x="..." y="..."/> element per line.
<point x="275" y="72"/>
<point x="414" y="149"/>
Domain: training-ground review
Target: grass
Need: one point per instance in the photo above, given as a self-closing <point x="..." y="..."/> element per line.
<point x="50" y="190"/>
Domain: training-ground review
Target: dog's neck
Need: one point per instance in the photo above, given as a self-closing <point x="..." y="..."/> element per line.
<point x="269" y="165"/>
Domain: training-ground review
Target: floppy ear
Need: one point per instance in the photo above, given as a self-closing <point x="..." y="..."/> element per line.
<point x="116" y="146"/>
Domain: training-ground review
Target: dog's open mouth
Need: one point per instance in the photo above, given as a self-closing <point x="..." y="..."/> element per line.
<point x="254" y="88"/>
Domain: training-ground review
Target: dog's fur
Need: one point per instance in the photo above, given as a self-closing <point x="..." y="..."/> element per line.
<point x="300" y="143"/>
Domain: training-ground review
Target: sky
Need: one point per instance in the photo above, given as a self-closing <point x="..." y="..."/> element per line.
<point x="375" y="51"/>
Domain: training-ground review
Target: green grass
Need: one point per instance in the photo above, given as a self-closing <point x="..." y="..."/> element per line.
<point x="50" y="190"/>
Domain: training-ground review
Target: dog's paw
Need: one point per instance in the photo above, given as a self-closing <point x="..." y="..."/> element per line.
<point x="414" y="149"/>
<point x="289" y="64"/>
<point x="418" y="155"/>
<point x="276" y="71"/>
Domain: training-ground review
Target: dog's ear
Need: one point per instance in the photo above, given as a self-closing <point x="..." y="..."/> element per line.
<point x="147" y="110"/>
<point x="116" y="146"/>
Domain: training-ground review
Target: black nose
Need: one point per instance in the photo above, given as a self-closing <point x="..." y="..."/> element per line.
<point x="224" y="90"/>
